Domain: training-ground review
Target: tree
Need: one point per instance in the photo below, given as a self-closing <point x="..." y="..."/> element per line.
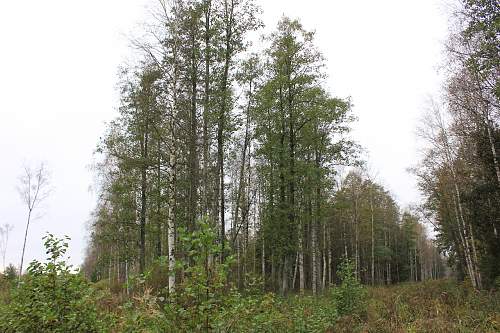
<point x="299" y="127"/>
<point x="34" y="188"/>
<point x="460" y="171"/>
<point x="250" y="144"/>
<point x="4" y="240"/>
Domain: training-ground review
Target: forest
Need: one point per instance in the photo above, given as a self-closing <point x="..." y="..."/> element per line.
<point x="232" y="196"/>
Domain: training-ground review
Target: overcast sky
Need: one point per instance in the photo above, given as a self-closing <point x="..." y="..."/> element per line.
<point x="58" y="66"/>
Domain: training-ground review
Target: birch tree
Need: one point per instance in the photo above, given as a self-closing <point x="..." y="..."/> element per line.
<point x="34" y="188"/>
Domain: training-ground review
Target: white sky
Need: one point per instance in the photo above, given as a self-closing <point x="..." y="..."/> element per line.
<point x="58" y="65"/>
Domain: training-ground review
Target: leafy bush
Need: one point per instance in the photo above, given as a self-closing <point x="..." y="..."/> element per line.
<point x="10" y="273"/>
<point x="198" y="297"/>
<point x="201" y="293"/>
<point x="51" y="298"/>
<point x="203" y="301"/>
<point x="350" y="296"/>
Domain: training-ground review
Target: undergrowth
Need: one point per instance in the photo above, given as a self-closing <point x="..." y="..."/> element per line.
<point x="51" y="297"/>
<point x="431" y="306"/>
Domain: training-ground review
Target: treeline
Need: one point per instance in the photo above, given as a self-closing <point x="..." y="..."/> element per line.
<point x="460" y="172"/>
<point x="249" y="142"/>
<point x="387" y="244"/>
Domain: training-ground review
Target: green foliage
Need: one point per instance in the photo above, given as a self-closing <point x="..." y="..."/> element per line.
<point x="4" y="290"/>
<point x="431" y="306"/>
<point x="313" y="314"/>
<point x="271" y="313"/>
<point x="10" y="273"/>
<point x="7" y="280"/>
<point x="203" y="302"/>
<point x="52" y="298"/>
<point x="144" y="314"/>
<point x="199" y="295"/>
<point x="350" y="296"/>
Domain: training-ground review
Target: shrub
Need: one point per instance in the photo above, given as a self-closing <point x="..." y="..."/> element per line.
<point x="52" y="298"/>
<point x="350" y="296"/>
<point x="10" y="273"/>
<point x="199" y="296"/>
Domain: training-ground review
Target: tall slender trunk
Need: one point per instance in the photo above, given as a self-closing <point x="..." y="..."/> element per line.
<point x="220" y="163"/>
<point x="301" y="260"/>
<point x="313" y="251"/>
<point x="295" y="269"/>
<point x="228" y="17"/>
<point x="158" y="203"/>
<point x="263" y="261"/>
<point x="470" y="260"/>
<point x="144" y="153"/>
<point x="292" y="143"/>
<point x="206" y="107"/>
<point x="356" y="235"/>
<point x="241" y="186"/>
<point x="24" y="245"/>
<point x="316" y="222"/>
<point x="193" y="137"/>
<point x="126" y="278"/>
<point x="386" y="245"/>
<point x="373" y="237"/>
<point x="171" y="223"/>
<point x="463" y="242"/>
<point x="172" y="177"/>
<point x="330" y="256"/>
<point x="284" y="280"/>
<point x="493" y="148"/>
<point x="410" y="259"/>
<point x="344" y="233"/>
<point x="416" y="269"/>
<point x="474" y="252"/>
<point x="323" y="282"/>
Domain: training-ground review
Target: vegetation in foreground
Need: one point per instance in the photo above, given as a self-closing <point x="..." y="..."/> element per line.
<point x="51" y="297"/>
<point x="432" y="306"/>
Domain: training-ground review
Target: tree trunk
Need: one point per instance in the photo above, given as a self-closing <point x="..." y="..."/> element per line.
<point x="373" y="237"/>
<point x="313" y="252"/>
<point x="241" y="186"/>
<point x="193" y="136"/>
<point x="24" y="246"/>
<point x="144" y="153"/>
<point x="206" y="109"/>
<point x="158" y="203"/>
<point x="263" y="262"/>
<point x="301" y="260"/>
<point x="323" y="282"/>
<point x="228" y="16"/>
<point x="284" y="281"/>
<point x="295" y="269"/>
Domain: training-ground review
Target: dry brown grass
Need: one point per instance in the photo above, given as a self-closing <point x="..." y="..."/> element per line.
<point x="434" y="306"/>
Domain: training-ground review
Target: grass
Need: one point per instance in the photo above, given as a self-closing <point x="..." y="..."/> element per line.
<point x="432" y="306"/>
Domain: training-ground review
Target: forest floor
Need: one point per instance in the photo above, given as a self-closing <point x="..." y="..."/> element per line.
<point x="432" y="306"/>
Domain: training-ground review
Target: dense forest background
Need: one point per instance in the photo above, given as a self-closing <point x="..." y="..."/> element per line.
<point x="256" y="145"/>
